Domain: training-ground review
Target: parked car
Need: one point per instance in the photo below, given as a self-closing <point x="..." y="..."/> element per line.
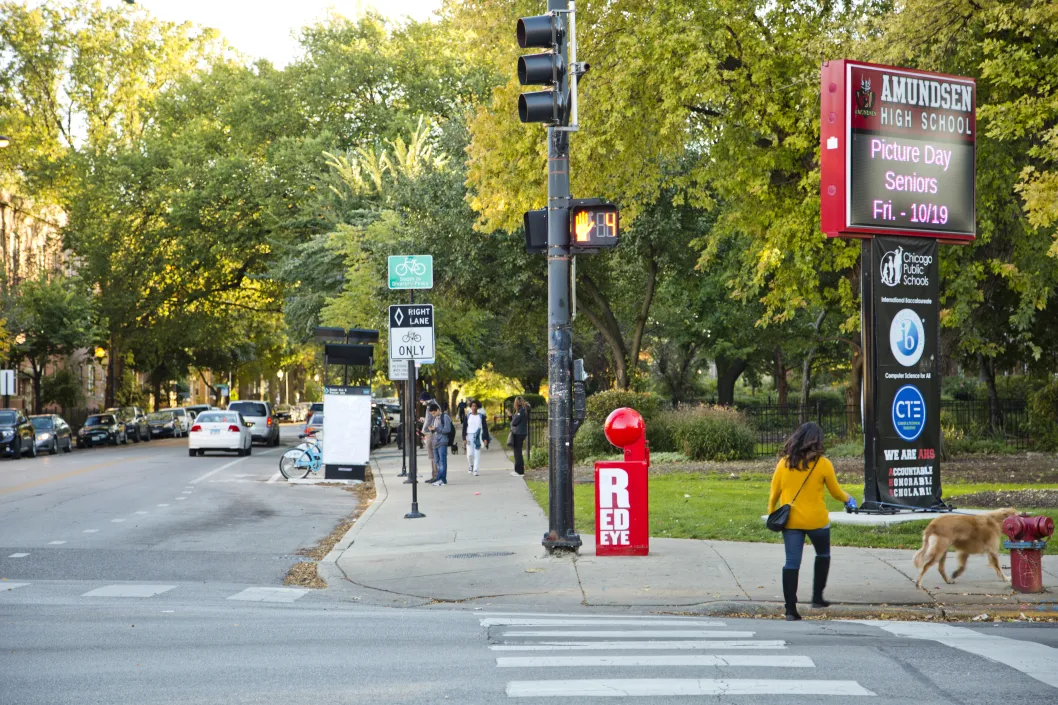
<point x="393" y="415"/>
<point x="164" y="424"/>
<point x="17" y="435"/>
<point x="259" y="413"/>
<point x="220" y="430"/>
<point x="53" y="433"/>
<point x="301" y="411"/>
<point x="136" y="426"/>
<point x="182" y="418"/>
<point x="198" y="408"/>
<point x="379" y="427"/>
<point x="284" y="412"/>
<point x="101" y="428"/>
<point x="314" y="425"/>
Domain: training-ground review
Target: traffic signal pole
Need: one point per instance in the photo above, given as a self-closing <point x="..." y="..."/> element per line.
<point x="561" y="535"/>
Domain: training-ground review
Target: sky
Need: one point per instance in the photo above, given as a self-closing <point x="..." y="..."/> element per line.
<point x="266" y="28"/>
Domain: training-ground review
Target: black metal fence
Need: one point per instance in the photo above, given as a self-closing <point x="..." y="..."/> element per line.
<point x="962" y="419"/>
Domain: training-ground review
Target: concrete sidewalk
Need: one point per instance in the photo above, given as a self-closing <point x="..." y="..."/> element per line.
<point x="479" y="544"/>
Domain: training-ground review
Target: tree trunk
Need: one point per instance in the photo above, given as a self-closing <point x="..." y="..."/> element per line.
<point x="156" y="390"/>
<point x="854" y="392"/>
<point x="727" y="373"/>
<point x="782" y="389"/>
<point x="38" y="376"/>
<point x="988" y="373"/>
<point x="806" y="370"/>
<point x="531" y="385"/>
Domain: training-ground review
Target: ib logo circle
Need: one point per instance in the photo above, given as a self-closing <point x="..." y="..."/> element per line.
<point x="907" y="337"/>
<point x="909" y="412"/>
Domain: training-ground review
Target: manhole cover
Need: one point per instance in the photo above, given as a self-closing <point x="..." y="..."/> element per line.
<point x="488" y="554"/>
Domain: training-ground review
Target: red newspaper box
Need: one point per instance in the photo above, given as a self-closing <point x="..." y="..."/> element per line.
<point x="622" y="512"/>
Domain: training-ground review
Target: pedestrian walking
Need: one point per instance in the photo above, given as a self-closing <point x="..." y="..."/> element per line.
<point x="427" y="435"/>
<point x="462" y="408"/>
<point x="441" y="430"/>
<point x="475" y="434"/>
<point x="797" y="487"/>
<point x="519" y="430"/>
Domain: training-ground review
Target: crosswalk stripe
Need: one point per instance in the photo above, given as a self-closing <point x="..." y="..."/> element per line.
<point x="681" y="686"/>
<point x="652" y="633"/>
<point x="640" y="645"/>
<point x="566" y="615"/>
<point x="129" y="591"/>
<point x="269" y="594"/>
<point x="7" y="587"/>
<point x="18" y="555"/>
<point x="576" y="622"/>
<point x="1035" y="660"/>
<point x="765" y="661"/>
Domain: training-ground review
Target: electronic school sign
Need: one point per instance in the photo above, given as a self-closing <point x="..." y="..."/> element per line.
<point x="897" y="170"/>
<point x="897" y="152"/>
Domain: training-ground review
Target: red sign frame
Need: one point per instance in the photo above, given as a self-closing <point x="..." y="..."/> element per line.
<point x="630" y="535"/>
<point x="840" y="115"/>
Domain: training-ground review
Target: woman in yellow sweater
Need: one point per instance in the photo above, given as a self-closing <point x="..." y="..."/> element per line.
<point x="802" y="472"/>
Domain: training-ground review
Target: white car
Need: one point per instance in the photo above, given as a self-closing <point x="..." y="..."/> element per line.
<point x="219" y="430"/>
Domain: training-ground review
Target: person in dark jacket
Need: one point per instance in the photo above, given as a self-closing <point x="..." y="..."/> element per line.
<point x="442" y="430"/>
<point x="519" y="430"/>
<point x="475" y="435"/>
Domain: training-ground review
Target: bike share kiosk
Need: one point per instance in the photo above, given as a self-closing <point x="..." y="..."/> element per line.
<point x="347" y="408"/>
<point x="897" y="172"/>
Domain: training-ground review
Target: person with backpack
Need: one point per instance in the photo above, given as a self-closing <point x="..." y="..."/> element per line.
<point x="797" y="490"/>
<point x="475" y="434"/>
<point x="442" y="431"/>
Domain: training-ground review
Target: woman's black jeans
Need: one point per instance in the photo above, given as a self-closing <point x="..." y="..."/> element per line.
<point x="794" y="541"/>
<point x="519" y="461"/>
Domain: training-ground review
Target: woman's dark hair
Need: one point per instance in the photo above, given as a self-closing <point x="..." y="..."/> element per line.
<point x="804" y="447"/>
<point x="434" y="407"/>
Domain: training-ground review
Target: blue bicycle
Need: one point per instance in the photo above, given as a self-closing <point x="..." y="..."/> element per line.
<point x="303" y="459"/>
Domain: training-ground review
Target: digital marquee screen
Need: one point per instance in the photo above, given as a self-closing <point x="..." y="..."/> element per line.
<point x="898" y="152"/>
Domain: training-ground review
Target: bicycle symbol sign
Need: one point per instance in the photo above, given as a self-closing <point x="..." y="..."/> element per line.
<point x="411" y="272"/>
<point x="411" y="332"/>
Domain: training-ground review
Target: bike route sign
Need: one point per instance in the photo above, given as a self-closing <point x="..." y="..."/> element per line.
<point x="411" y="272"/>
<point x="411" y="332"/>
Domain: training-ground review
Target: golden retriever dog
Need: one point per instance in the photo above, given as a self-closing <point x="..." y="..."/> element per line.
<point x="967" y="535"/>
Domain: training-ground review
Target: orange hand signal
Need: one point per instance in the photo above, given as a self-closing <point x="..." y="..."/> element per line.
<point x="582" y="226"/>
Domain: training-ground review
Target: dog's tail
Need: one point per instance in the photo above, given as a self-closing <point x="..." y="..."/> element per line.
<point x="927" y="539"/>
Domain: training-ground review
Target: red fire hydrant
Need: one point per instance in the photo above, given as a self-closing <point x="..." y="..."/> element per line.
<point x="1028" y="537"/>
<point x="622" y="513"/>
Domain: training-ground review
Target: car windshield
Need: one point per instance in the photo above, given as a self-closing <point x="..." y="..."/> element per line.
<point x="160" y="416"/>
<point x="316" y="420"/>
<point x="42" y="422"/>
<point x="7" y="417"/>
<point x="249" y="408"/>
<point x="214" y="417"/>
<point x="100" y="420"/>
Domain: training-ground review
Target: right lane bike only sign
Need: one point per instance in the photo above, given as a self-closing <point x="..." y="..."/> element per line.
<point x="411" y="335"/>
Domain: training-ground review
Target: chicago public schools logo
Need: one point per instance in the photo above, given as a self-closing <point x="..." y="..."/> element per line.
<point x="909" y="412"/>
<point x="893" y="267"/>
<point x="907" y="337"/>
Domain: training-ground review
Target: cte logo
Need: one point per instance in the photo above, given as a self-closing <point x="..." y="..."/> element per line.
<point x="909" y="412"/>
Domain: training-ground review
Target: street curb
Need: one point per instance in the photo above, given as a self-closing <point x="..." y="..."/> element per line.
<point x="734" y="608"/>
<point x="381" y="495"/>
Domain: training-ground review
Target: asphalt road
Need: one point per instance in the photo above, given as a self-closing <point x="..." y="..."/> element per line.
<point x="167" y="588"/>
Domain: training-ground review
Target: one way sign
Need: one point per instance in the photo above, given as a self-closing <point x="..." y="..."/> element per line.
<point x="411" y="332"/>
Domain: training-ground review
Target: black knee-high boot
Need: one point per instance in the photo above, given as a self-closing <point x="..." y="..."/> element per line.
<point x="789" y="593"/>
<point x="820" y="581"/>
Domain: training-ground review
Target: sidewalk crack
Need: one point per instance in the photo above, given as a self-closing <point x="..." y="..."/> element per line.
<point x="580" y="583"/>
<point x="910" y="579"/>
<point x="728" y="566"/>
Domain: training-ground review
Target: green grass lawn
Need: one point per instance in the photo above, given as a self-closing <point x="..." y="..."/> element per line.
<point x="699" y="506"/>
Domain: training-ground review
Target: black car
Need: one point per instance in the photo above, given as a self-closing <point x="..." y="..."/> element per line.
<point x="17" y="435"/>
<point x="53" y="433"/>
<point x="137" y="428"/>
<point x="379" y="427"/>
<point x="101" y="428"/>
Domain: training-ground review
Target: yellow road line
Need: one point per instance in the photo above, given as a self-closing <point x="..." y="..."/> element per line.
<point x="57" y="478"/>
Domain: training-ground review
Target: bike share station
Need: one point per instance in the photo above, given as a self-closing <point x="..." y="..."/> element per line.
<point x="897" y="172"/>
<point x="346" y="407"/>
<point x="411" y="343"/>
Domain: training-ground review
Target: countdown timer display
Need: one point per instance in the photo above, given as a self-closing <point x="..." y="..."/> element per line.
<point x="898" y="152"/>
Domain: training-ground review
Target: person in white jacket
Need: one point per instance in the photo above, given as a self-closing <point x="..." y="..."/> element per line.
<point x="475" y="435"/>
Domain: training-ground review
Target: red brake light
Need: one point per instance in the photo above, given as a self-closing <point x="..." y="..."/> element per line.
<point x="233" y="428"/>
<point x="269" y="421"/>
<point x="196" y="428"/>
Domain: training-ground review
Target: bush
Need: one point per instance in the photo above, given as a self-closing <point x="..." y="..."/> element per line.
<point x="538" y="458"/>
<point x="590" y="441"/>
<point x="62" y="387"/>
<point x="661" y="433"/>
<point x="601" y="404"/>
<point x="712" y="433"/>
<point x="1043" y="416"/>
<point x="535" y="401"/>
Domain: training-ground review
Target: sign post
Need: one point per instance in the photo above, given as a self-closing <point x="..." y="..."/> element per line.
<point x="411" y="340"/>
<point x="8" y="385"/>
<point x="898" y="170"/>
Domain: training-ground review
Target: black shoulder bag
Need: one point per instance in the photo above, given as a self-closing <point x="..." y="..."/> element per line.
<point x="777" y="519"/>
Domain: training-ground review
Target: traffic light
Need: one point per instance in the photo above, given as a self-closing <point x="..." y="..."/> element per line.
<point x="594" y="224"/>
<point x="546" y="69"/>
<point x="535" y="231"/>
